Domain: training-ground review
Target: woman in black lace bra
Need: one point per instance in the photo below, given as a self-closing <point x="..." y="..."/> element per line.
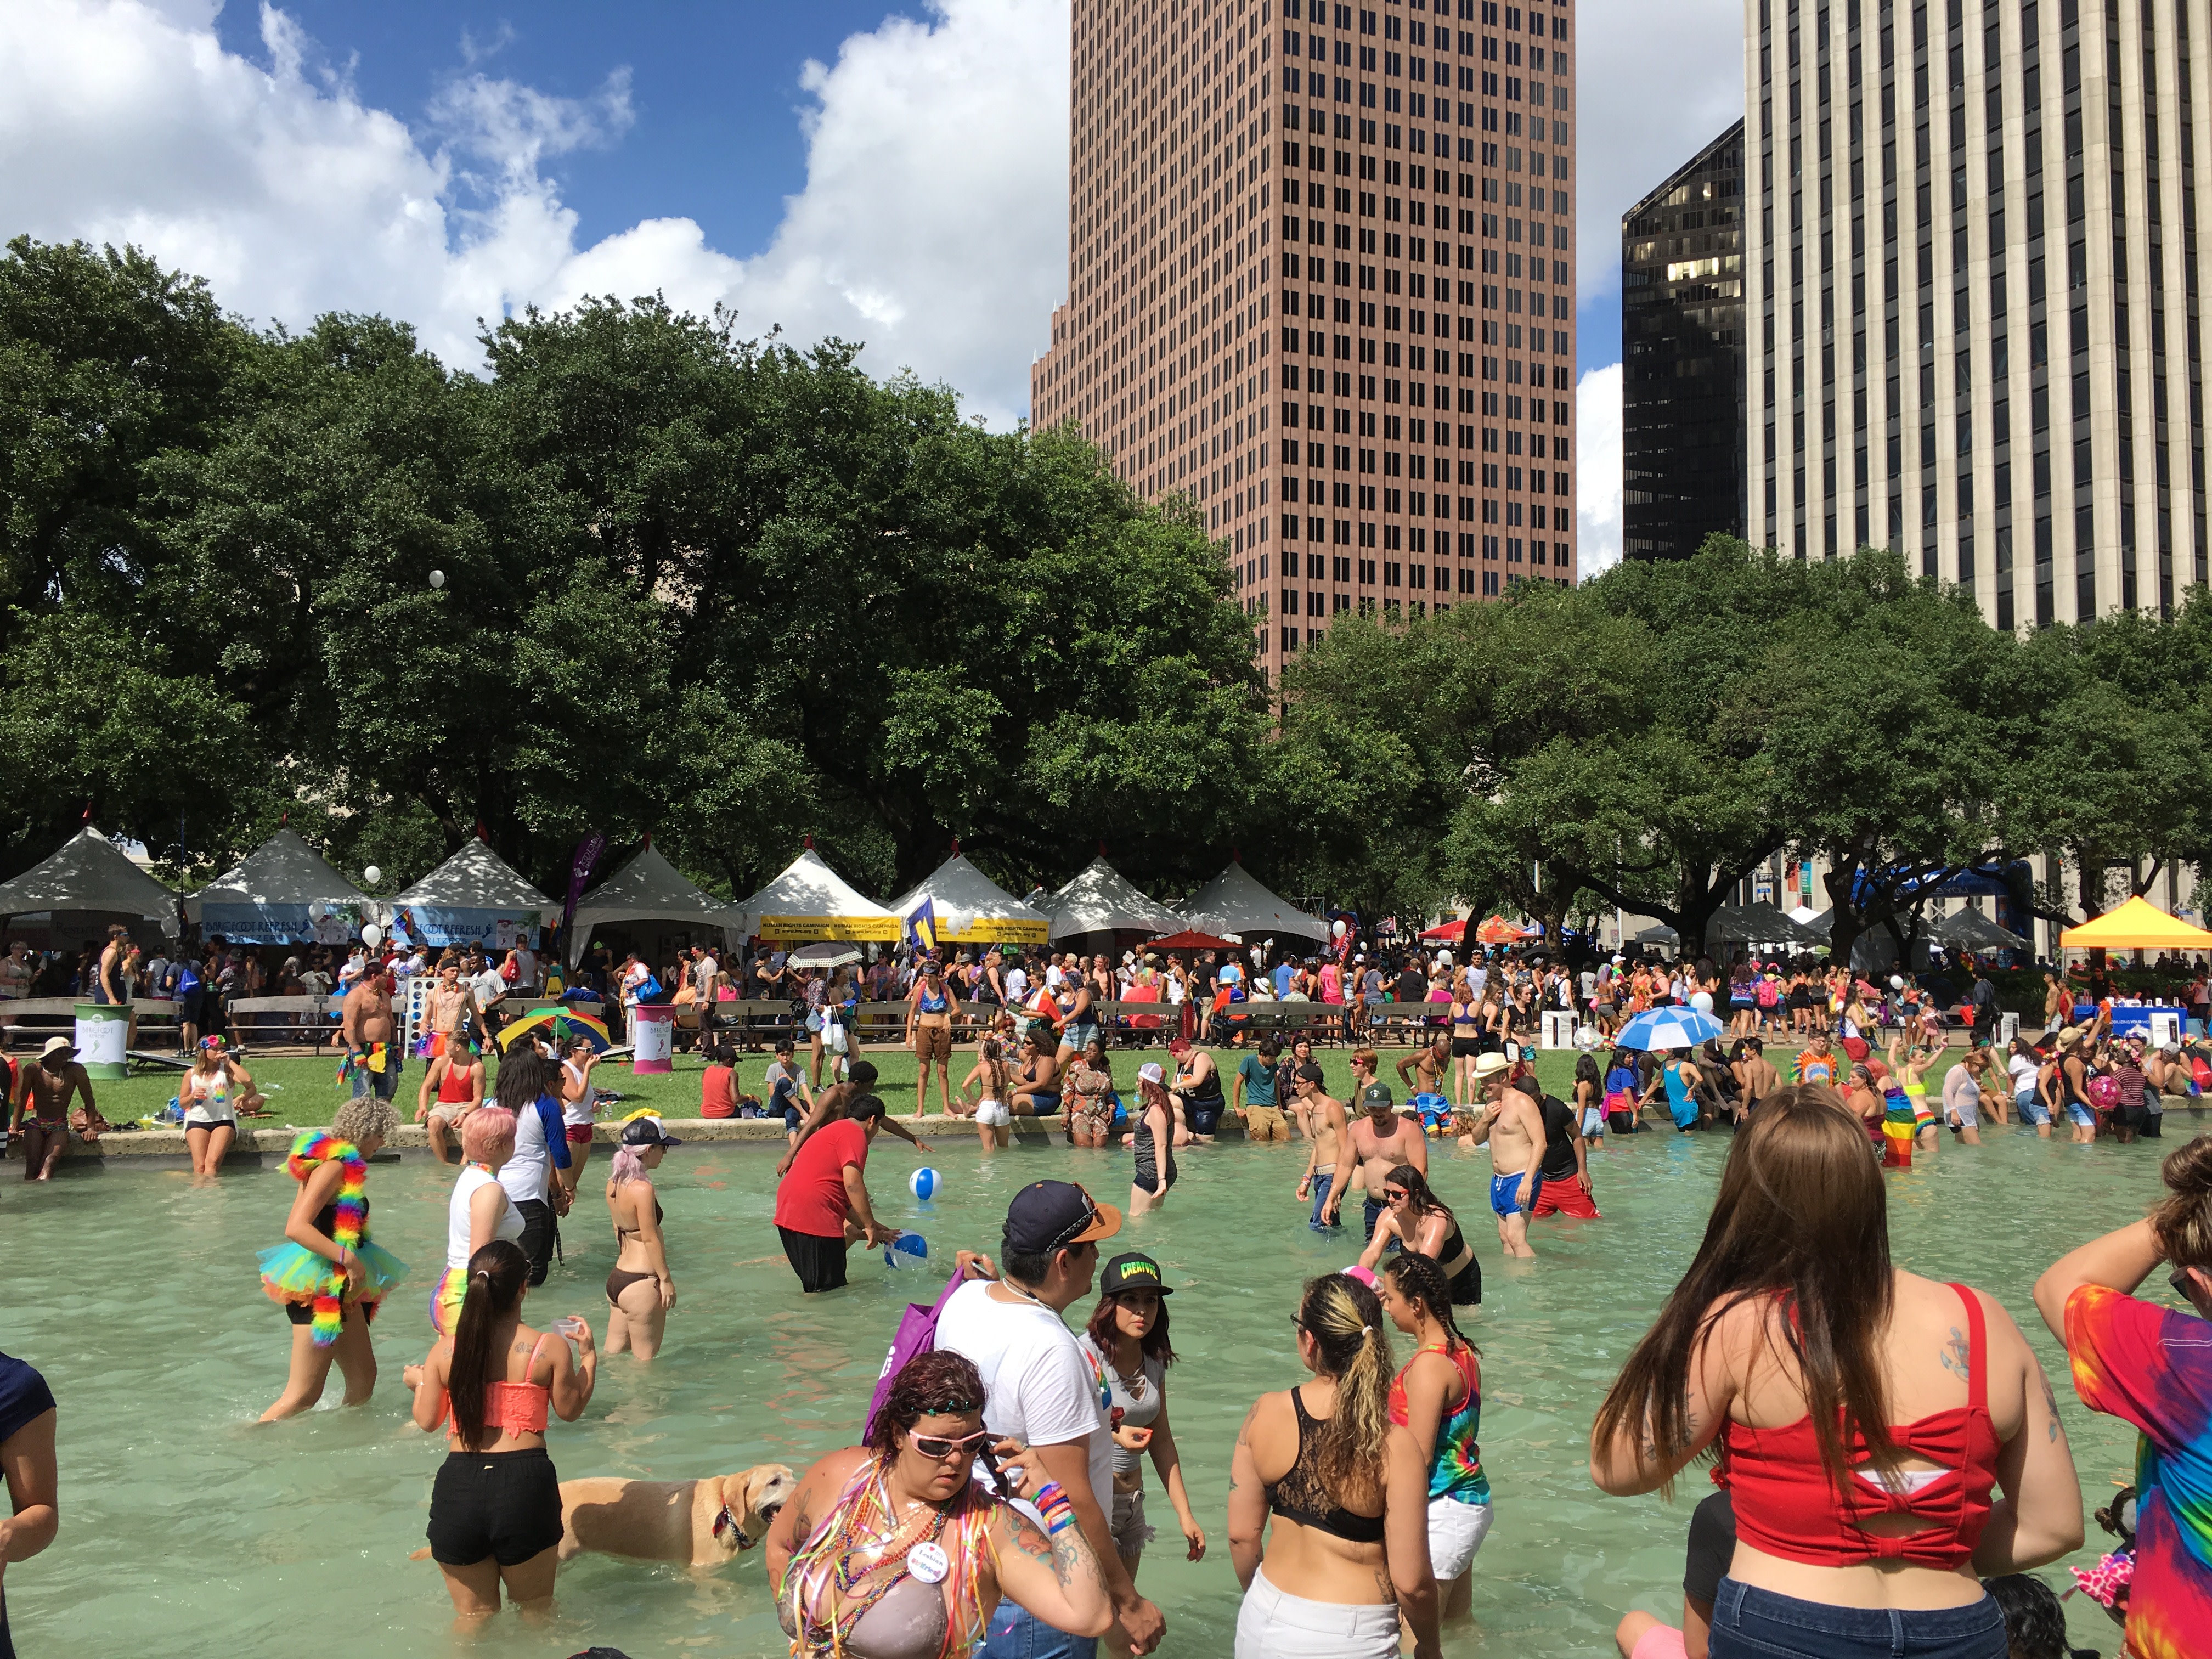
<point x="1322" y="1470"/>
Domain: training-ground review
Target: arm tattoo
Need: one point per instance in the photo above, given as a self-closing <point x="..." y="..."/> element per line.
<point x="2051" y="1400"/>
<point x="1957" y="1356"/>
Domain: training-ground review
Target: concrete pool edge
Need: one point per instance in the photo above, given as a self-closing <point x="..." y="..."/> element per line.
<point x="260" y="1142"/>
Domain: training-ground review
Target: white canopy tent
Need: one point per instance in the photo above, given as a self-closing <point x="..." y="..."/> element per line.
<point x="810" y="901"/>
<point x="1234" y="903"/>
<point x="972" y="908"/>
<point x="474" y="898"/>
<point x="650" y="890"/>
<point x="87" y="886"/>
<point x="1100" y="901"/>
<point x="267" y="899"/>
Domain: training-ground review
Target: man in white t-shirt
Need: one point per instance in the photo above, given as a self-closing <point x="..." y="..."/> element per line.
<point x="1041" y="1390"/>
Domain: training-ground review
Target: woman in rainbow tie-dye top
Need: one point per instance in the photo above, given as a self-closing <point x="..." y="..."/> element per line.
<point x="2152" y="1366"/>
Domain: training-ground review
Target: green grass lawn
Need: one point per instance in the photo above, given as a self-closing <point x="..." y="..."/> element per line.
<point x="304" y="1090"/>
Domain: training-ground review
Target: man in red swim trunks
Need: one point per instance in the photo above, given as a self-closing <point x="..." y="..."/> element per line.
<point x="1565" y="1163"/>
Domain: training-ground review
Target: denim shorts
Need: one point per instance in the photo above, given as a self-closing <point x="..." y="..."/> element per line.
<point x="2077" y="1112"/>
<point x="2031" y="1110"/>
<point x="1011" y="1632"/>
<point x="1757" y="1624"/>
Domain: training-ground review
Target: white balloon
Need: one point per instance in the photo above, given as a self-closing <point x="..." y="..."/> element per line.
<point x="1703" y="1002"/>
<point x="371" y="875"/>
<point x="1896" y="981"/>
<point x="372" y="936"/>
<point x="1336" y="930"/>
<point x="437" y="579"/>
<point x="317" y="910"/>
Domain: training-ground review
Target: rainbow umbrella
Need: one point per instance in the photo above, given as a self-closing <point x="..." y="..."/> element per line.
<point x="560" y="1023"/>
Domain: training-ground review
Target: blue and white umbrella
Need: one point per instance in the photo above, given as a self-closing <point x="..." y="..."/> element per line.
<point x="1669" y="1028"/>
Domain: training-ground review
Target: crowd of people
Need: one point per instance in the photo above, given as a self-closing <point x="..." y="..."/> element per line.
<point x="1889" y="1461"/>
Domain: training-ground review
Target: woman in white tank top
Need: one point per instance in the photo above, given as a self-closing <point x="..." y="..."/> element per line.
<point x="479" y="1210"/>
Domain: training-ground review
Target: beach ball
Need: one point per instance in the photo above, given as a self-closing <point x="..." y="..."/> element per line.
<point x="907" y="1250"/>
<point x="923" y="1183"/>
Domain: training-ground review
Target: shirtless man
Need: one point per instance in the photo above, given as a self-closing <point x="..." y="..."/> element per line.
<point x="1426" y="1070"/>
<point x="451" y="1005"/>
<point x="1755" y="1076"/>
<point x="1514" y="1128"/>
<point x="1326" y="1132"/>
<point x="834" y="1102"/>
<point x="366" y="1024"/>
<point x="42" y="1093"/>
<point x="1381" y="1140"/>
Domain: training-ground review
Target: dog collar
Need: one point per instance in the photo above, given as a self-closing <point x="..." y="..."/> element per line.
<point x="725" y="1520"/>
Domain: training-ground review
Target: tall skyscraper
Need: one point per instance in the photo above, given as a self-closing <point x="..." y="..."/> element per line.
<point x="1975" y="268"/>
<point x="1321" y="281"/>
<point x="1681" y="353"/>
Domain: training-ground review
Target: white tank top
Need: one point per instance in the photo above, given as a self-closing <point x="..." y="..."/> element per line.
<point x="576" y="1111"/>
<point x="528" y="1175"/>
<point x="473" y="1178"/>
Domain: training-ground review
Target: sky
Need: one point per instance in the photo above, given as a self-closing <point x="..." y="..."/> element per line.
<point x="890" y="175"/>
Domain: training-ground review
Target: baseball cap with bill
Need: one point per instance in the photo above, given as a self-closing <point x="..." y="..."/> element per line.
<point x="1051" y="1215"/>
<point x="1376" y="1097"/>
<point x="648" y="1131"/>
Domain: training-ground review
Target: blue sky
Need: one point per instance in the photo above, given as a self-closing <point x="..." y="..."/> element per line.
<point x="895" y="176"/>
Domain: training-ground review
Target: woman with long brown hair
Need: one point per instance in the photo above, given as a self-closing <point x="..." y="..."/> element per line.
<point x="495" y="1509"/>
<point x="1346" y="1493"/>
<point x="1868" y="1417"/>
<point x="1417" y="1220"/>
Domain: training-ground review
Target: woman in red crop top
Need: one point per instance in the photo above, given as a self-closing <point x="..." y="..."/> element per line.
<point x="1866" y="1418"/>
<point x="495" y="1509"/>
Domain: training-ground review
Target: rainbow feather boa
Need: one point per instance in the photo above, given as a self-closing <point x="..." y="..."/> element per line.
<point x="317" y="1147"/>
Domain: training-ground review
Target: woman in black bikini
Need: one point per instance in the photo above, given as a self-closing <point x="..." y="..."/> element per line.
<point x="1153" y="1138"/>
<point x="1422" y="1222"/>
<point x="1341" y="1483"/>
<point x="640" y="1290"/>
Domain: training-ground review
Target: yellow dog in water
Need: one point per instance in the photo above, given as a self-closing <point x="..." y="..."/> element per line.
<point x="699" y="1524"/>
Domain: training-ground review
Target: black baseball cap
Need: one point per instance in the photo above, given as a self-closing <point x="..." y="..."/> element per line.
<point x="1308" y="1073"/>
<point x="1051" y="1215"/>
<point x="1133" y="1272"/>
<point x="647" y="1132"/>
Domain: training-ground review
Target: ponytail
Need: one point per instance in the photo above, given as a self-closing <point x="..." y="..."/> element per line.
<point x="1345" y="1319"/>
<point x="497" y="1273"/>
<point x="628" y="1166"/>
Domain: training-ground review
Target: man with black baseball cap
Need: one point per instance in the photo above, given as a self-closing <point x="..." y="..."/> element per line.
<point x="1041" y="1391"/>
<point x="822" y="1207"/>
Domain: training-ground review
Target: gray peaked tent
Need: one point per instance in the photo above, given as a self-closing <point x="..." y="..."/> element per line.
<point x="649" y="890"/>
<point x="972" y="908"/>
<point x="474" y="898"/>
<point x="265" y="899"/>
<point x="1099" y="901"/>
<point x="85" y="887"/>
<point x="1234" y="903"/>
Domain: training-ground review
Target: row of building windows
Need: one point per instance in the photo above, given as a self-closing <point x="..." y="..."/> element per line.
<point x="1415" y="140"/>
<point x="1346" y="533"/>
<point x="1393" y="318"/>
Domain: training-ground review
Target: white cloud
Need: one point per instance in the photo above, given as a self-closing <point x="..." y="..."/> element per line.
<point x="1597" y="464"/>
<point x="1656" y="85"/>
<point x="932" y="225"/>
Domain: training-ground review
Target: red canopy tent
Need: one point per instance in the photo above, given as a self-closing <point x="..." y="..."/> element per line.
<point x="1191" y="940"/>
<point x="1445" y="930"/>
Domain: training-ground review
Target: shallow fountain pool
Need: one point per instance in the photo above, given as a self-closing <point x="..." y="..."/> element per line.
<point x="188" y="1528"/>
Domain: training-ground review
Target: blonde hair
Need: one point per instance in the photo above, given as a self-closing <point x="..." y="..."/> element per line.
<point x="1345" y="1320"/>
<point x="365" y="1119"/>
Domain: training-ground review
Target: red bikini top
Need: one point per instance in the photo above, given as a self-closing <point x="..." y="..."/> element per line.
<point x="1786" y="1505"/>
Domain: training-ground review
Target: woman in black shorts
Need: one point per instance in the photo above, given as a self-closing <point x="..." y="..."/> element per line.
<point x="1466" y="1023"/>
<point x="1153" y="1138"/>
<point x="495" y="1510"/>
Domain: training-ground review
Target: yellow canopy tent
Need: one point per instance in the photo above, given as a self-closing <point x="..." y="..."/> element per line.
<point x="2138" y="924"/>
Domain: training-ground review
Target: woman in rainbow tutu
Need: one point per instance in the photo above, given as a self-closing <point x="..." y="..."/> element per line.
<point x="327" y="1276"/>
<point x="894" y="1549"/>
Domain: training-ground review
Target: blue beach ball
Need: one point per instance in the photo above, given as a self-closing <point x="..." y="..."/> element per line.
<point x="923" y="1184"/>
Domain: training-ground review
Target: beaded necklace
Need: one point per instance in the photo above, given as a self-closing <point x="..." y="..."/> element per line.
<point x="831" y="1588"/>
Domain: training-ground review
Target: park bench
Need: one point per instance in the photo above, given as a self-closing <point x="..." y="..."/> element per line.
<point x="264" y="1021"/>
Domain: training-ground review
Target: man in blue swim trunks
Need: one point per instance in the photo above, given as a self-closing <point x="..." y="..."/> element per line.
<point x="1513" y="1125"/>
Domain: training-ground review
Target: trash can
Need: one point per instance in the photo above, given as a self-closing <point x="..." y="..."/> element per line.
<point x="653" y="1037"/>
<point x="103" y="1032"/>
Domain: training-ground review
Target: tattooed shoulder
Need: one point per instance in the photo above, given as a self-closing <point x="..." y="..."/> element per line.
<point x="1957" y="1356"/>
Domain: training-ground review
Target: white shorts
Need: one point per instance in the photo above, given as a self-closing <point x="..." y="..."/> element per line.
<point x="992" y="1115"/>
<point x="1456" y="1530"/>
<point x="1273" y="1626"/>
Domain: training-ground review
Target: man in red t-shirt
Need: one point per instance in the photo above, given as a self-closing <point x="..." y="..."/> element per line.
<point x="822" y="1205"/>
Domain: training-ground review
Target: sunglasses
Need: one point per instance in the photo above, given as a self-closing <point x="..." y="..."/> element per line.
<point x="941" y="1448"/>
<point x="2182" y="1285"/>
